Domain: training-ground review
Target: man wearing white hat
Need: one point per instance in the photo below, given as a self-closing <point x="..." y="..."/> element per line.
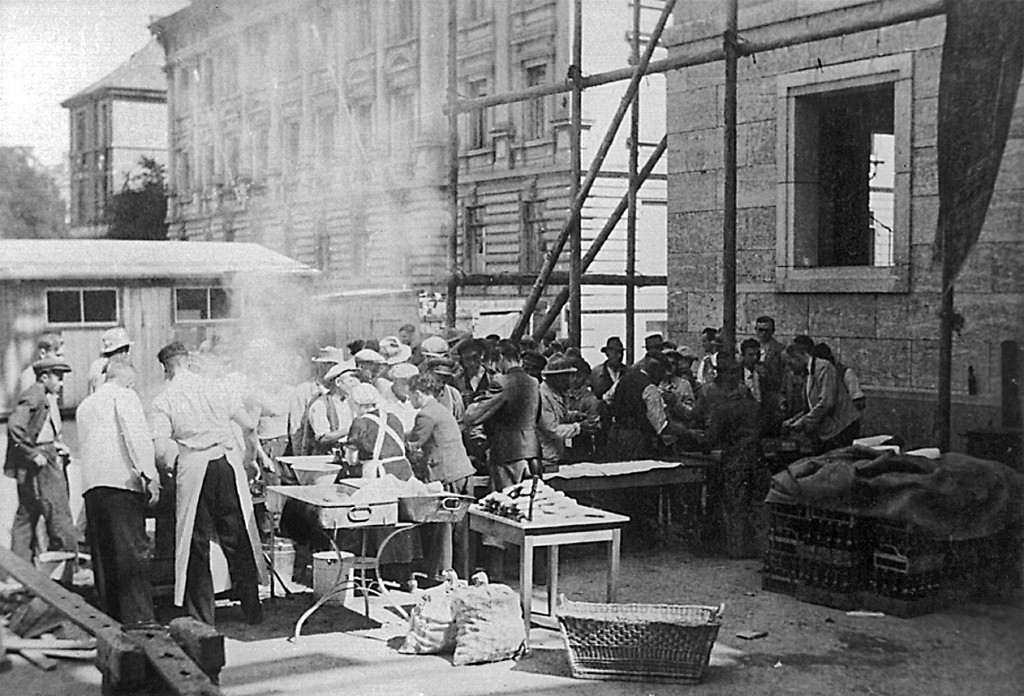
<point x="299" y="431"/>
<point x="331" y="414"/>
<point x="394" y="351"/>
<point x="114" y="342"/>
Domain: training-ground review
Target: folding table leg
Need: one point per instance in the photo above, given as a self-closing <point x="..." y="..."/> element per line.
<point x="614" y="547"/>
<point x="552" y="581"/>
<point x="526" y="584"/>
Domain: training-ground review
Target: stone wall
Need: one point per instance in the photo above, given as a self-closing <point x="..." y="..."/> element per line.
<point x="891" y="339"/>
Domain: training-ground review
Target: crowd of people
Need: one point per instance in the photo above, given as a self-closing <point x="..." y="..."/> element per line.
<point x="441" y="409"/>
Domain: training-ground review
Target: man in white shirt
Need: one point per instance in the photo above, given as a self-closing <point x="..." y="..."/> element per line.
<point x="331" y="415"/>
<point x="119" y="477"/>
<point x="192" y="426"/>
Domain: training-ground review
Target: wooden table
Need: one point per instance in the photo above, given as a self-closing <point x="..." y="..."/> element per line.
<point x="688" y="469"/>
<point x="592" y="525"/>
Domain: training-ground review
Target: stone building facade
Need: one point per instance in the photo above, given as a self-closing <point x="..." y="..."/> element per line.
<point x="837" y="210"/>
<point x="317" y="128"/>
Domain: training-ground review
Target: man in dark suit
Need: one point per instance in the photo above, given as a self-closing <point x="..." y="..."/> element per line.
<point x="36" y="458"/>
<point x="608" y="372"/>
<point x="436" y="446"/>
<point x="772" y="373"/>
<point x="509" y="410"/>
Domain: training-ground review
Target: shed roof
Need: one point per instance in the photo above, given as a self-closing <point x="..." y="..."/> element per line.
<point x="141" y="76"/>
<point x="52" y="259"/>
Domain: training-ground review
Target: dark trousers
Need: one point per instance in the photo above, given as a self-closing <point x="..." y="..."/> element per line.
<point x="745" y="483"/>
<point x="444" y="542"/>
<point x="219" y="515"/>
<point x="120" y="553"/>
<point x="44" y="494"/>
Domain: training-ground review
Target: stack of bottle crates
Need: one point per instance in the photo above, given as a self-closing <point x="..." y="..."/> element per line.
<point x="782" y="558"/>
<point x="847" y="561"/>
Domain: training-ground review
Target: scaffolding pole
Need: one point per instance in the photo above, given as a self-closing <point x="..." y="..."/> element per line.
<point x="729" y="156"/>
<point x="631" y="195"/>
<point x="602" y="237"/>
<point x="595" y="167"/>
<point x="575" y="238"/>
<point x="453" y="165"/>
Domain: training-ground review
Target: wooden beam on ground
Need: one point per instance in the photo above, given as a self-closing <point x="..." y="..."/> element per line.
<point x="167" y="660"/>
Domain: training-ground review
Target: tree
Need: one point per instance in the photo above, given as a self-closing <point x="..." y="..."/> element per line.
<point x="30" y="203"/>
<point x="139" y="211"/>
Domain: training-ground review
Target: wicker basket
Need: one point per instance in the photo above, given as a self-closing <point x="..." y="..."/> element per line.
<point x="638" y="642"/>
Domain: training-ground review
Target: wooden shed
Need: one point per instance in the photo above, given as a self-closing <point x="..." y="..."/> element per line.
<point x="158" y="291"/>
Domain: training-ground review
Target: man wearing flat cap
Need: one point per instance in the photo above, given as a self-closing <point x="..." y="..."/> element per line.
<point x="192" y="427"/>
<point x="36" y="458"/>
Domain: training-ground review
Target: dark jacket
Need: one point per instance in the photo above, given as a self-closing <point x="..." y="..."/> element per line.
<point x="628" y="408"/>
<point x="437" y="434"/>
<point x="601" y="380"/>
<point x="510" y="410"/>
<point x="23" y="427"/>
<point x="469" y="395"/>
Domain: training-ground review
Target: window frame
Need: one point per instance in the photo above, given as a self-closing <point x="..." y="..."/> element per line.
<point x="474" y="222"/>
<point x="536" y="129"/>
<point x="233" y="298"/>
<point x="81" y="290"/>
<point x="896" y="70"/>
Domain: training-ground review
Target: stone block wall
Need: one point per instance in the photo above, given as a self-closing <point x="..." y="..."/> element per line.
<point x="890" y="339"/>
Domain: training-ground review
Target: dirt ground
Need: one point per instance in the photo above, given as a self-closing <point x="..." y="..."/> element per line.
<point x="971" y="649"/>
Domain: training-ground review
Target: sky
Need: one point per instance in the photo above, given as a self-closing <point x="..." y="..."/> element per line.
<point x="51" y="49"/>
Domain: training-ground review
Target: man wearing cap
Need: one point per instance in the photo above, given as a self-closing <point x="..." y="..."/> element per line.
<point x="372" y="366"/>
<point x="48" y="345"/>
<point x="450" y="397"/>
<point x="114" y="342"/>
<point x="396" y="398"/>
<point x="608" y="372"/>
<point x="331" y="413"/>
<point x="119" y="477"/>
<point x="376" y="442"/>
<point x="36" y="458"/>
<point x="394" y="351"/>
<point x="192" y="431"/>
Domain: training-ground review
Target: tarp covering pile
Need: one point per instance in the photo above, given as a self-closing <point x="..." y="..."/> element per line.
<point x="956" y="496"/>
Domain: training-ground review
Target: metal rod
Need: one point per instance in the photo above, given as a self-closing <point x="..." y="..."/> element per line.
<point x="574" y="211"/>
<point x="558" y="278"/>
<point x="729" y="164"/>
<point x="575" y="238"/>
<point x="602" y="237"/>
<point x="453" y="165"/>
<point x="758" y="39"/>
<point x="634" y="144"/>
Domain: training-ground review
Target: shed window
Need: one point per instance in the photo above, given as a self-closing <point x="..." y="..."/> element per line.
<point x="203" y="304"/>
<point x="81" y="306"/>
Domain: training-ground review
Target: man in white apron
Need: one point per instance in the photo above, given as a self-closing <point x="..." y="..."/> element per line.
<point x="192" y="423"/>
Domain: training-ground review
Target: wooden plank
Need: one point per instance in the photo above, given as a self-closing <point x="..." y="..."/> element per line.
<point x="37" y="658"/>
<point x="167" y="659"/>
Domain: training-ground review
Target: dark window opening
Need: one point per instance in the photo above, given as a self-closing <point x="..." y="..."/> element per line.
<point x="844" y="178"/>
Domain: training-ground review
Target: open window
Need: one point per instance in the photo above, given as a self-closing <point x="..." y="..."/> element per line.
<point x="844" y="177"/>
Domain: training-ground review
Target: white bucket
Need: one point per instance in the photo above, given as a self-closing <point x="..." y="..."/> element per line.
<point x="51" y="563"/>
<point x="282" y="559"/>
<point x="327" y="572"/>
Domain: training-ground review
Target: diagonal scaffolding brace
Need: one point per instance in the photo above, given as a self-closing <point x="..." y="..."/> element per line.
<point x="595" y="167"/>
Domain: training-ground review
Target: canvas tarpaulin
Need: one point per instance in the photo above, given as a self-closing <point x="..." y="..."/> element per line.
<point x="982" y="58"/>
<point x="955" y="496"/>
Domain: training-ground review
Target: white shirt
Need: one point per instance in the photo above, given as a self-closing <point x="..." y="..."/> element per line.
<point x="753" y="382"/>
<point x="114" y="442"/>
<point x="196" y="412"/>
<point x="318" y="420"/>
